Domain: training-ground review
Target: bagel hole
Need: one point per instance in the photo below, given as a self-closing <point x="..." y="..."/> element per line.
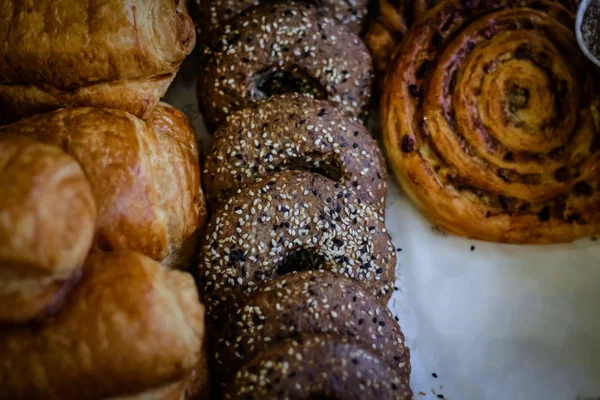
<point x="299" y="261"/>
<point x="275" y="81"/>
<point x="317" y="164"/>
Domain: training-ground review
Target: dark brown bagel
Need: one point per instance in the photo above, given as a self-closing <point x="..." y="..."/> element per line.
<point x="317" y="367"/>
<point x="280" y="48"/>
<point x="294" y="132"/>
<point x="288" y="221"/>
<point x="211" y="14"/>
<point x="312" y="302"/>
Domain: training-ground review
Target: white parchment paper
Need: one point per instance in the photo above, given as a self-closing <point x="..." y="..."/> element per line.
<point x="492" y="321"/>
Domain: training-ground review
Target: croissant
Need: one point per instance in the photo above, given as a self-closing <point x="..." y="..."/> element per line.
<point x="131" y="328"/>
<point x="491" y="121"/>
<point x="44" y="194"/>
<point x="120" y="54"/>
<point x="145" y="176"/>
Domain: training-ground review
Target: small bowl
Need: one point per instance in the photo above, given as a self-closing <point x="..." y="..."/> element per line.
<point x="578" y="23"/>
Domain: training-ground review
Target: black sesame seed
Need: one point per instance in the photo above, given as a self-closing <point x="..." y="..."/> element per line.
<point x="361" y="321"/>
<point x="434" y="375"/>
<point x="355" y="145"/>
<point x="398" y="249"/>
<point x="472" y="248"/>
<point x="374" y="320"/>
<point x="440" y="396"/>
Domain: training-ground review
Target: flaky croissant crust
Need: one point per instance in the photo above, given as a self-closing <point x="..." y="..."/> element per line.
<point x="112" y="53"/>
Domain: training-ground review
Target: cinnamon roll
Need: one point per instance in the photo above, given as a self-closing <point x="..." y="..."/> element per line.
<point x="394" y="17"/>
<point x="490" y="117"/>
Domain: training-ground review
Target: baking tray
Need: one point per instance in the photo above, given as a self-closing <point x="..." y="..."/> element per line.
<point x="482" y="320"/>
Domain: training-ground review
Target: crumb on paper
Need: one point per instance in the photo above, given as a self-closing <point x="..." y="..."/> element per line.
<point x="438" y="230"/>
<point x="422" y="394"/>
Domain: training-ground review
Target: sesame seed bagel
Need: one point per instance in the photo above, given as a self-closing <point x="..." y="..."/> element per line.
<point x="292" y="220"/>
<point x="313" y="302"/>
<point x="294" y="132"/>
<point x="211" y="14"/>
<point x="317" y="367"/>
<point x="285" y="47"/>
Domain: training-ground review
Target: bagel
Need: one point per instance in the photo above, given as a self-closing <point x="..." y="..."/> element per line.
<point x="280" y="48"/>
<point x="293" y="132"/>
<point x="288" y="221"/>
<point x="318" y="367"/>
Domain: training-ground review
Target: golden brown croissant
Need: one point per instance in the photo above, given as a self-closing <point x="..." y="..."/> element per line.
<point x="47" y="216"/>
<point x="494" y="131"/>
<point x="120" y="54"/>
<point x="130" y="326"/>
<point x="145" y="176"/>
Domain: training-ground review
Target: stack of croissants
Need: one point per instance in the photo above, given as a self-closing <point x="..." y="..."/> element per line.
<point x="131" y="270"/>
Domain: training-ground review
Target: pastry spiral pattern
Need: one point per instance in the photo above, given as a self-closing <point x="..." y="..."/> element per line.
<point x="490" y="118"/>
<point x="392" y="19"/>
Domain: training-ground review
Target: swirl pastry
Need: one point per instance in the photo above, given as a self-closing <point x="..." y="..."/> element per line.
<point x="120" y="54"/>
<point x="490" y="120"/>
<point x="394" y="17"/>
<point x="318" y="367"/>
<point x="145" y="175"/>
<point x="294" y="132"/>
<point x="284" y="47"/>
<point x="289" y="221"/>
<point x="47" y="219"/>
